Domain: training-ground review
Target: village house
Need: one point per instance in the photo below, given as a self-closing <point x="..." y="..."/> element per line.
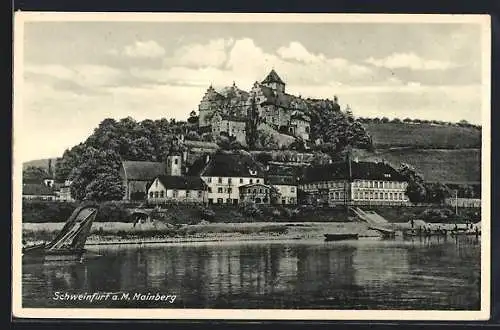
<point x="137" y="175"/>
<point x="355" y="183"/>
<point x="258" y="193"/>
<point x="224" y="173"/>
<point x="168" y="188"/>
<point x="64" y="192"/>
<point x="173" y="185"/>
<point x="286" y="187"/>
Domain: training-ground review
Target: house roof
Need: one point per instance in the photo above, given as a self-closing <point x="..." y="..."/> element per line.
<point x="37" y="189"/>
<point x="142" y="171"/>
<point x="273" y="77"/>
<point x="227" y="165"/>
<point x="360" y="170"/>
<point x="182" y="182"/>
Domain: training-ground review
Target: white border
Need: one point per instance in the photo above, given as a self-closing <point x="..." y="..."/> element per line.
<point x="234" y="314"/>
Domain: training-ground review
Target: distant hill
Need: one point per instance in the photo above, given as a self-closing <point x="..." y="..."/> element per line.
<point x="460" y="166"/>
<point x="43" y="163"/>
<point x="428" y="136"/>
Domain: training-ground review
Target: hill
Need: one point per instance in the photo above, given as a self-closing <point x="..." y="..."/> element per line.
<point x="429" y="136"/>
<point x="43" y="163"/>
<point x="460" y="166"/>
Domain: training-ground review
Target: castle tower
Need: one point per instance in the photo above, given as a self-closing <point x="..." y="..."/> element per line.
<point x="174" y="164"/>
<point x="274" y="82"/>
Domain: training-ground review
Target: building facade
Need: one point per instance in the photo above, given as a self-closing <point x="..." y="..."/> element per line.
<point x="169" y="188"/>
<point x="230" y="126"/>
<point x="286" y="188"/>
<point x="258" y="193"/>
<point x="224" y="173"/>
<point x="355" y="183"/>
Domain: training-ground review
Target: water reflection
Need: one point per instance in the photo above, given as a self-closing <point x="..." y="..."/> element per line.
<point x="347" y="275"/>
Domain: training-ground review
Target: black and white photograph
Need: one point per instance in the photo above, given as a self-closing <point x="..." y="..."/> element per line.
<point x="251" y="166"/>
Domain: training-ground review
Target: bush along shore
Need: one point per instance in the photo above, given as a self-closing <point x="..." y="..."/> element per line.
<point x="188" y="223"/>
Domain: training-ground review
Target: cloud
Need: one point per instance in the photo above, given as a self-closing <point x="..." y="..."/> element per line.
<point x="84" y="75"/>
<point x="143" y="49"/>
<point x="214" y="53"/>
<point x="296" y="51"/>
<point x="410" y="61"/>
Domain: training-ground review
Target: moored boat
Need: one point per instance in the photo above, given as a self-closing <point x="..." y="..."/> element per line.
<point x="69" y="242"/>
<point x="341" y="237"/>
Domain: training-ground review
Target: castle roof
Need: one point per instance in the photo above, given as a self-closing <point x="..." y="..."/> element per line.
<point x="359" y="170"/>
<point x="272" y="77"/>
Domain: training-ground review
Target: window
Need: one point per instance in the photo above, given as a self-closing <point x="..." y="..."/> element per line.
<point x="260" y="190"/>
<point x="258" y="180"/>
<point x="229" y="190"/>
<point x="162" y="194"/>
<point x="220" y="180"/>
<point x="219" y="190"/>
<point x="254" y="191"/>
<point x="356" y="195"/>
<point x="292" y="189"/>
<point x="176" y="161"/>
<point x="229" y="180"/>
<point x="371" y="194"/>
<point x="229" y="201"/>
<point x="241" y="180"/>
<point x="251" y="181"/>
<point x="376" y="195"/>
<point x="209" y="189"/>
<point x="200" y="194"/>
<point x="386" y="196"/>
<point x="336" y="195"/>
<point x="176" y="193"/>
<point x="188" y="193"/>
<point x="220" y="201"/>
<point x="209" y="180"/>
<point x="391" y="196"/>
<point x="156" y="194"/>
<point x="151" y="194"/>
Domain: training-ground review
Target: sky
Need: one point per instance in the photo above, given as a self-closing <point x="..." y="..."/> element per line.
<point x="78" y="73"/>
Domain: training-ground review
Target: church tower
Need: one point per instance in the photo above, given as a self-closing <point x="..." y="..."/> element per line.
<point x="174" y="164"/>
<point x="274" y="82"/>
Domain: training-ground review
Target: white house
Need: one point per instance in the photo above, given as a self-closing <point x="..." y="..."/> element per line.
<point x="224" y="173"/>
<point x="165" y="188"/>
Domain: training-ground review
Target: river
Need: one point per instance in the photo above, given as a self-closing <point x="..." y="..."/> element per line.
<point x="420" y="274"/>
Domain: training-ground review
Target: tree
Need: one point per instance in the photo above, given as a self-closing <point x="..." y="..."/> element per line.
<point x="407" y="120"/>
<point x="106" y="186"/>
<point x="252" y="124"/>
<point x="415" y="191"/>
<point x="34" y="174"/>
<point x="384" y="120"/>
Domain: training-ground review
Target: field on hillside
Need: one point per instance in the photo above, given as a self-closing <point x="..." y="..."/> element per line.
<point x="434" y="164"/>
<point x="423" y="136"/>
<point x="43" y="163"/>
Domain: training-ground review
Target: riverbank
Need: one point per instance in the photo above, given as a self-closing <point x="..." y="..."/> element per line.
<point x="157" y="232"/>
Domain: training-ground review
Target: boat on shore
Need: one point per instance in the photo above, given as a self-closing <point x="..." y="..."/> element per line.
<point x="68" y="245"/>
<point x="340" y="237"/>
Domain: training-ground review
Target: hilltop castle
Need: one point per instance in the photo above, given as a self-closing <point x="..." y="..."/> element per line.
<point x="226" y="111"/>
